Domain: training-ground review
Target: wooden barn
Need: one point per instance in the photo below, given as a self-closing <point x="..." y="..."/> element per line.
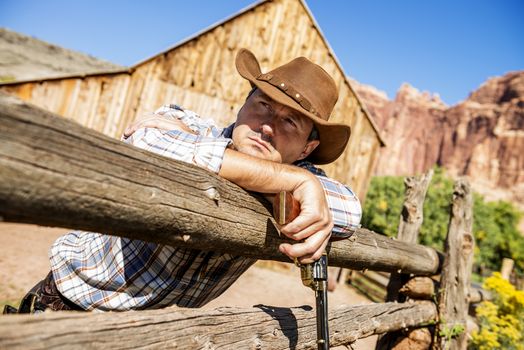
<point x="199" y="74"/>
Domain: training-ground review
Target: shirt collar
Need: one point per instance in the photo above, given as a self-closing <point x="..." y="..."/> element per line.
<point x="227" y="132"/>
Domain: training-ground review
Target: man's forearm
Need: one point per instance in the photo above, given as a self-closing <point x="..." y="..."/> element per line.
<point x="261" y="175"/>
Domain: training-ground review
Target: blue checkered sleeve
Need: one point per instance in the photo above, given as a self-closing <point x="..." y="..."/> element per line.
<point x="342" y="201"/>
<point x="205" y="148"/>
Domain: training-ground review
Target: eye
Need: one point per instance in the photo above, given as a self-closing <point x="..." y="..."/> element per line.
<point x="291" y="122"/>
<point x="266" y="107"/>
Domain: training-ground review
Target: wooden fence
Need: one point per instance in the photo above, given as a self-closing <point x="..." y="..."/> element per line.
<point x="55" y="172"/>
<point x="373" y="284"/>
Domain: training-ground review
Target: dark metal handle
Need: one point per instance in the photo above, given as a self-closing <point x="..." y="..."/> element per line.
<point x="320" y="276"/>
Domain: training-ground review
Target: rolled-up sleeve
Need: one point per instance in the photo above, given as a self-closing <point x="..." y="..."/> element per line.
<point x="205" y="152"/>
<point x="344" y="205"/>
<point x="342" y="201"/>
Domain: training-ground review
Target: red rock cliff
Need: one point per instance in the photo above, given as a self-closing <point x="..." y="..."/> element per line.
<point x="482" y="137"/>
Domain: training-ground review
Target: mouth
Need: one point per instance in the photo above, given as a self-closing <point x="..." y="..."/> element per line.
<point x="265" y="146"/>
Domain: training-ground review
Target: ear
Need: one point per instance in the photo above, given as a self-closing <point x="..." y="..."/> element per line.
<point x="308" y="148"/>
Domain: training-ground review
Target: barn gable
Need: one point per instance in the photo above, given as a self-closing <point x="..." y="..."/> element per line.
<point x="199" y="73"/>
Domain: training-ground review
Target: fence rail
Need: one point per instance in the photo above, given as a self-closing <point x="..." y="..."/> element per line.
<point x="260" y="327"/>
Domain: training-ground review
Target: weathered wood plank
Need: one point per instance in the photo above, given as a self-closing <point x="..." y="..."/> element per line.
<point x="412" y="213"/>
<point x="420" y="288"/>
<point x="415" y="339"/>
<point x="477" y="295"/>
<point x="507" y="267"/>
<point x="369" y="286"/>
<point x="456" y="272"/>
<point x="424" y="288"/>
<point x="55" y="172"/>
<point x="411" y="219"/>
<point x="260" y="327"/>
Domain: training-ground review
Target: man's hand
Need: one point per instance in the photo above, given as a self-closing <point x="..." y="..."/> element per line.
<point x="313" y="225"/>
<point x="158" y="122"/>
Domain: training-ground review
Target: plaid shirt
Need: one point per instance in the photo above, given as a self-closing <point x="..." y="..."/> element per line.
<point x="101" y="272"/>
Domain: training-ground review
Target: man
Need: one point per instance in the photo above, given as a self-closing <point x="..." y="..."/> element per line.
<point x="279" y="132"/>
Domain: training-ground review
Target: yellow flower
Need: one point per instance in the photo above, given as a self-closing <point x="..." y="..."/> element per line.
<point x="383" y="205"/>
<point x="501" y="321"/>
<point x="480" y="235"/>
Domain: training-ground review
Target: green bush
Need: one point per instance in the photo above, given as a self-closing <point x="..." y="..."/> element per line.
<point x="494" y="223"/>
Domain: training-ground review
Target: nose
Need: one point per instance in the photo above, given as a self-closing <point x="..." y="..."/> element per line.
<point x="267" y="130"/>
<point x="269" y="122"/>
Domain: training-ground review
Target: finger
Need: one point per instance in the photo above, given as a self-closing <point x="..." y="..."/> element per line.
<point x="138" y="124"/>
<point x="304" y="228"/>
<point x="308" y="250"/>
<point x="307" y="258"/>
<point x="306" y="217"/>
<point x="129" y="131"/>
<point x="308" y="222"/>
<point x="306" y="232"/>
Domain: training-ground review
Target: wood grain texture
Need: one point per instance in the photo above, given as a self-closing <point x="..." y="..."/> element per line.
<point x="420" y="288"/>
<point x="412" y="213"/>
<point x="411" y="219"/>
<point x="260" y="327"/>
<point x="455" y="279"/>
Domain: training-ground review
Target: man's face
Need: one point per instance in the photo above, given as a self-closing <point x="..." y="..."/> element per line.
<point x="269" y="130"/>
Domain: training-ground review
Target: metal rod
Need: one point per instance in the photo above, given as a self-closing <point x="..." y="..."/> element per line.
<point x="322" y="316"/>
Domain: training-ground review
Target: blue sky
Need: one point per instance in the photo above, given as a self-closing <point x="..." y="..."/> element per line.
<point x="445" y="47"/>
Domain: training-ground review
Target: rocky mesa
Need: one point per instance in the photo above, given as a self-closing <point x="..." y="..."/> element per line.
<point x="481" y="137"/>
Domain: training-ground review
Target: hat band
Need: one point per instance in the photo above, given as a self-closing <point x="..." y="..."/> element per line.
<point x="289" y="91"/>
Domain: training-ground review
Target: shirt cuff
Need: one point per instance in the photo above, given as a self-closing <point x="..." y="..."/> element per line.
<point x="344" y="206"/>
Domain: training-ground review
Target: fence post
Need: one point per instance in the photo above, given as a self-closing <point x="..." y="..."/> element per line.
<point x="455" y="281"/>
<point x="507" y="267"/>
<point x="411" y="219"/>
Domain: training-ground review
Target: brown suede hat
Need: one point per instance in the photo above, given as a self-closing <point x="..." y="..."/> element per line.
<point x="307" y="88"/>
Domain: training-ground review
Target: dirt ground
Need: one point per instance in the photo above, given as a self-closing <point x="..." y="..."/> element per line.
<point x="24" y="261"/>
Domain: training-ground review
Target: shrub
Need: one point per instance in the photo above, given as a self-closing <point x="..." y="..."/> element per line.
<point x="494" y="223"/>
<point x="501" y="321"/>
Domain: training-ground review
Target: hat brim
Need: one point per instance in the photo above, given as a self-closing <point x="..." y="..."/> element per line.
<point x="333" y="137"/>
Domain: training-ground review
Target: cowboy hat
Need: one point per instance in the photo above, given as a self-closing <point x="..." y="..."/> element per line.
<point x="307" y="88"/>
